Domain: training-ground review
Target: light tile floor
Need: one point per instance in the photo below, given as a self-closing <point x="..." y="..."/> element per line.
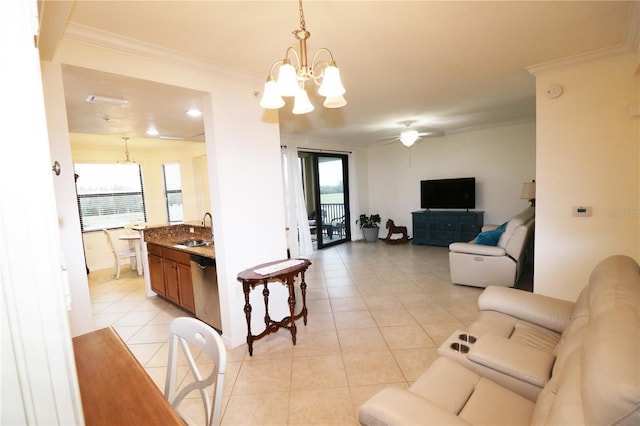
<point x="377" y="314"/>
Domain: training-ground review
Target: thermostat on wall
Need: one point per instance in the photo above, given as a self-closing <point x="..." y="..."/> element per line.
<point x="582" y="211"/>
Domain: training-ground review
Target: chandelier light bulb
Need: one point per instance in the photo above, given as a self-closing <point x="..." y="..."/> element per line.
<point x="301" y="104"/>
<point x="287" y="82"/>
<point x="271" y="98"/>
<point x="331" y="84"/>
<point x="334" y="102"/>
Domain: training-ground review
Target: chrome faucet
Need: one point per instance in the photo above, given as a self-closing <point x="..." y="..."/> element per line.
<point x="204" y="219"/>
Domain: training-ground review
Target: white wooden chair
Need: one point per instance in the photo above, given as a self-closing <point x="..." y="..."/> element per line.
<point x="120" y="253"/>
<point x="185" y="331"/>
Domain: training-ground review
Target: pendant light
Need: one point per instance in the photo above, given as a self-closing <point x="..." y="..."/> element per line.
<point x="291" y="79"/>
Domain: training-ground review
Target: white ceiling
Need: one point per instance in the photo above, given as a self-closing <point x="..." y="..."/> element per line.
<point x="447" y="65"/>
<point x="149" y="104"/>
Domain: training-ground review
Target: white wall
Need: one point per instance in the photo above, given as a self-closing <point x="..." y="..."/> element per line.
<point x="243" y="155"/>
<point x="588" y="154"/>
<point x="248" y="201"/>
<point x="151" y="154"/>
<point x="500" y="158"/>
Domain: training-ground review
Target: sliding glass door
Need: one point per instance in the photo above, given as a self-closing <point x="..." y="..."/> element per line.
<point x="327" y="193"/>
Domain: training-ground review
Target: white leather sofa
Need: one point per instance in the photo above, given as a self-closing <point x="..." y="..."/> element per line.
<point x="482" y="265"/>
<point x="584" y="357"/>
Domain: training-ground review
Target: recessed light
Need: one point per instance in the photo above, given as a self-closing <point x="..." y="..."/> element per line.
<point x="194" y="112"/>
<point x="152" y="131"/>
<point x="95" y="99"/>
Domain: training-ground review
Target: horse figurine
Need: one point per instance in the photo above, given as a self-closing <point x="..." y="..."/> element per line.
<point x="393" y="230"/>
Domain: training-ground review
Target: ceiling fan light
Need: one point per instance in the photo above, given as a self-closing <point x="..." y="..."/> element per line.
<point x="287" y="81"/>
<point x="331" y="84"/>
<point x="302" y="104"/>
<point x="334" y="102"/>
<point x="271" y="98"/>
<point x="408" y="137"/>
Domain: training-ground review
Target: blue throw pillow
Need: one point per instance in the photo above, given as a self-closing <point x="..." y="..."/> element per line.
<point x="490" y="238"/>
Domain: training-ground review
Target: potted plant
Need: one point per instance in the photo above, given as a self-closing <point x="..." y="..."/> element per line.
<point x="369" y="227"/>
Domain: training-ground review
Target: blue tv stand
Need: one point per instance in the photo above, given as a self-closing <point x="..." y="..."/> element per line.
<point x="443" y="227"/>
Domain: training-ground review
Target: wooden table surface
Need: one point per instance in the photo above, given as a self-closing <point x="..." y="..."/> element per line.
<point x="114" y="387"/>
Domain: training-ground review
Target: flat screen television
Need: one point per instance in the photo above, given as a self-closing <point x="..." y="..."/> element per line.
<point x="458" y="193"/>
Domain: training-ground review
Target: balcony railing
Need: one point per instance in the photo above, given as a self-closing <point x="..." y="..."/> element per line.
<point x="331" y="212"/>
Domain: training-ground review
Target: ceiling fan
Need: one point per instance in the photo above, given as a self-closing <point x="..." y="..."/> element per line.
<point x="409" y="135"/>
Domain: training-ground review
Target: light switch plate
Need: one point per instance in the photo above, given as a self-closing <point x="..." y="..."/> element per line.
<point x="582" y="211"/>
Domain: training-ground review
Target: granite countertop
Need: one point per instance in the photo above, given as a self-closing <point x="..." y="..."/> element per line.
<point x="170" y="235"/>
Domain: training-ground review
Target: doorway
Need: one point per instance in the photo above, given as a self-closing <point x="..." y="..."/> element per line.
<point x="326" y="187"/>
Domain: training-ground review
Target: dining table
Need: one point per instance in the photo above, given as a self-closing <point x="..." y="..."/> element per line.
<point x="115" y="389"/>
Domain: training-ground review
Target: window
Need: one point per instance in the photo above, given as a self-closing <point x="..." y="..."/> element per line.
<point x="173" y="192"/>
<point x="109" y="195"/>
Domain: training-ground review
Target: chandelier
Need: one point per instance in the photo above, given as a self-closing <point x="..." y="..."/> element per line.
<point x="126" y="153"/>
<point x="291" y="79"/>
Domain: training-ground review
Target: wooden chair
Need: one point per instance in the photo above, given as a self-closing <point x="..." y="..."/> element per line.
<point x="118" y="253"/>
<point x="185" y="331"/>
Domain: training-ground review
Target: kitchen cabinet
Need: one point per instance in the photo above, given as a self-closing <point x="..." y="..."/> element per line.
<point x="170" y="276"/>
<point x="185" y="287"/>
<point x="156" y="269"/>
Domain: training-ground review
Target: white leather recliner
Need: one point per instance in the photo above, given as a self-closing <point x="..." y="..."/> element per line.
<point x="582" y="357"/>
<point x="480" y="265"/>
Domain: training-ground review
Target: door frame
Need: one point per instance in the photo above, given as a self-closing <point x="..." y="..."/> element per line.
<point x="315" y="182"/>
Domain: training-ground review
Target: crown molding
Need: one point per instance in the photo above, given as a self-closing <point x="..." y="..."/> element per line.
<point x="513" y="122"/>
<point x="608" y="52"/>
<point x="630" y="44"/>
<point x="105" y="40"/>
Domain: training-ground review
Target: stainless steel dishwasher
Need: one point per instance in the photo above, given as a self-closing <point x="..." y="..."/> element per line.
<point x="205" y="290"/>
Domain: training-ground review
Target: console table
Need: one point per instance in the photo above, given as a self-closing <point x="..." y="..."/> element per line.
<point x="115" y="389"/>
<point x="443" y="227"/>
<point x="284" y="271"/>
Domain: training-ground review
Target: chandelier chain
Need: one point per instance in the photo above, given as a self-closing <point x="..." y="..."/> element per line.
<point x="302" y="23"/>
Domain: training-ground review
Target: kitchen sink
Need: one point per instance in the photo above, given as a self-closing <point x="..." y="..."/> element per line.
<point x="194" y="242"/>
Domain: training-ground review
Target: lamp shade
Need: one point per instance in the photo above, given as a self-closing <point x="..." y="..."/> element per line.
<point x="301" y="104"/>
<point x="271" y="98"/>
<point x="331" y="84"/>
<point x="408" y="137"/>
<point x="287" y="82"/>
<point x="528" y="191"/>
<point x="334" y="102"/>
